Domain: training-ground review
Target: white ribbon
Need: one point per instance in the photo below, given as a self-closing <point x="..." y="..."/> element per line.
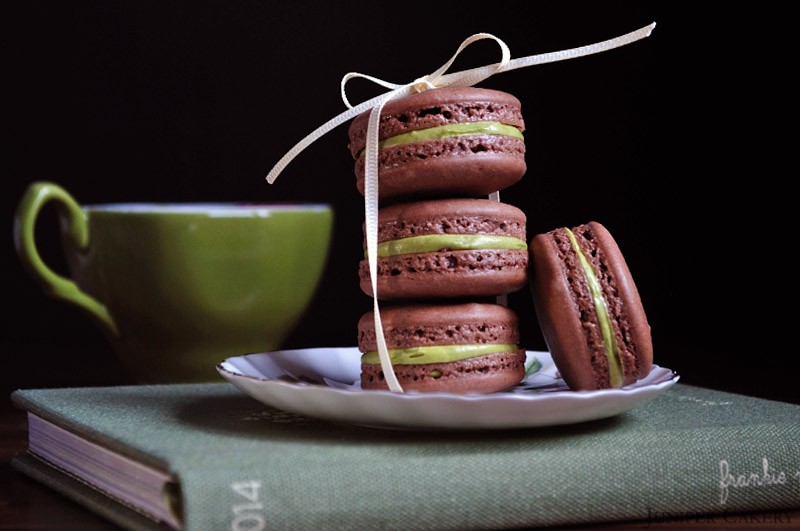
<point x="464" y="78"/>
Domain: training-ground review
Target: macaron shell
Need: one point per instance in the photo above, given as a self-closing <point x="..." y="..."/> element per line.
<point x="559" y="318"/>
<point x="636" y="327"/>
<point x="450" y="216"/>
<point x="458" y="166"/>
<point x="417" y="325"/>
<point x="582" y="366"/>
<point x="448" y="274"/>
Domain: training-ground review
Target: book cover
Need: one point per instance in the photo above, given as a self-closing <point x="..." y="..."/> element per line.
<point x="237" y="464"/>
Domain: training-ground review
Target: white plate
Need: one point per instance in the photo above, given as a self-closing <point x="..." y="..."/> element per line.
<point x="324" y="383"/>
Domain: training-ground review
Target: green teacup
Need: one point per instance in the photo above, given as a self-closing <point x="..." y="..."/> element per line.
<point x="179" y="287"/>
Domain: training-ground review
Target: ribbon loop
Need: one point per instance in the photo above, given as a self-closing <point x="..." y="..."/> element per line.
<point x="350" y="75"/>
<point x="436" y="78"/>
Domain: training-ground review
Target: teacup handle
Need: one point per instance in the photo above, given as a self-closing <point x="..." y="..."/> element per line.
<point x="75" y="226"/>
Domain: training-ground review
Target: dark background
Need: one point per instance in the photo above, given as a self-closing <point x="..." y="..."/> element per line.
<point x="665" y="141"/>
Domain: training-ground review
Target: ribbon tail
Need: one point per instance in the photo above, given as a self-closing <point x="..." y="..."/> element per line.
<point x="468" y="77"/>
<point x="580" y="51"/>
<point x="371" y="228"/>
<point x="325" y="128"/>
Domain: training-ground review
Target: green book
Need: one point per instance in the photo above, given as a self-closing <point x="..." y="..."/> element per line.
<point x="207" y="456"/>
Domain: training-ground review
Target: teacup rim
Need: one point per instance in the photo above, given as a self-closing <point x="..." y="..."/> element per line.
<point x="216" y="208"/>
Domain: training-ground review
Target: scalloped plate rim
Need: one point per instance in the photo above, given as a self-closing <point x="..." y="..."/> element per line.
<point x="385" y="409"/>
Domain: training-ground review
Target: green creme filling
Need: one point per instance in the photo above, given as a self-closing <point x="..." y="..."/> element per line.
<point x="444" y="131"/>
<point x="430" y="243"/>
<point x="436" y="354"/>
<point x="601" y="308"/>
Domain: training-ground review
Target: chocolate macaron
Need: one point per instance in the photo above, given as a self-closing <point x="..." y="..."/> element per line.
<point x="449" y="248"/>
<point x="589" y="309"/>
<point x="444" y="142"/>
<point x="458" y="348"/>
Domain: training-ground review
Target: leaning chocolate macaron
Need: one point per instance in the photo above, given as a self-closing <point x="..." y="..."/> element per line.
<point x="458" y="348"/>
<point x="448" y="248"/>
<point x="451" y="141"/>
<point x="589" y="309"/>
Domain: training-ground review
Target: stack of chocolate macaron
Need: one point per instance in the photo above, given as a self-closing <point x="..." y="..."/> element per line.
<point x="445" y="250"/>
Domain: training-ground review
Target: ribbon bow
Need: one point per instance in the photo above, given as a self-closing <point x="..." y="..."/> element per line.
<point x="438" y="78"/>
